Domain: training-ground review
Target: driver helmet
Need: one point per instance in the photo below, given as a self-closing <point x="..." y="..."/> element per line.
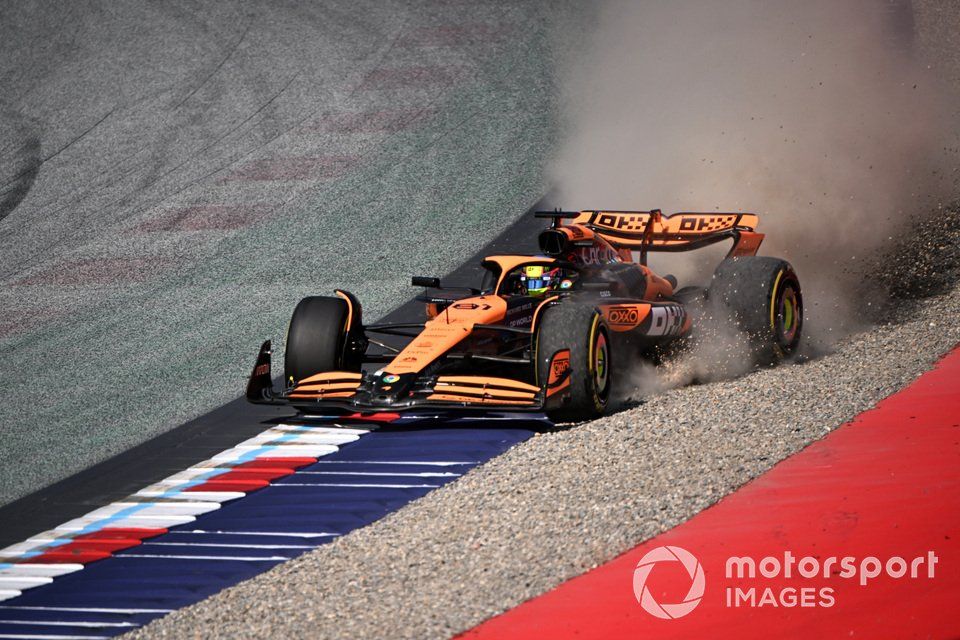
<point x="540" y="279"/>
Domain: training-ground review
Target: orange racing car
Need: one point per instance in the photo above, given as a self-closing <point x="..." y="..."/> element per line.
<point x="547" y="332"/>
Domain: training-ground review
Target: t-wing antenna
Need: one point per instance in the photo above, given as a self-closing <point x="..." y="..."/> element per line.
<point x="557" y="215"/>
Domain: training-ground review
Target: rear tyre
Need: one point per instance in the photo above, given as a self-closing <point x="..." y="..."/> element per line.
<point x="582" y="330"/>
<point x="762" y="296"/>
<point x="316" y="338"/>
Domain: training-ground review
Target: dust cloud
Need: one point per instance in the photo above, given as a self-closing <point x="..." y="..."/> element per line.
<point x="812" y="114"/>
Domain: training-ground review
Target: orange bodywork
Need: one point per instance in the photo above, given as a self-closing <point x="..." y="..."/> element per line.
<point x="332" y="384"/>
<point x="346" y="298"/>
<point x="484" y="390"/>
<point x="445" y="330"/>
<point x="747" y="245"/>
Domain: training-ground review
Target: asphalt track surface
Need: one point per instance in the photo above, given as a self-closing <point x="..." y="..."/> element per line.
<point x="234" y="274"/>
<point x="177" y="176"/>
<point x="202" y="438"/>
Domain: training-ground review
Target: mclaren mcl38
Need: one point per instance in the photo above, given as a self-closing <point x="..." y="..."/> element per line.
<point x="548" y="332"/>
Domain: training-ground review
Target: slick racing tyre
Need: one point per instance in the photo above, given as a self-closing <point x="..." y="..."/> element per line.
<point x="762" y="297"/>
<point x="316" y="338"/>
<point x="582" y="330"/>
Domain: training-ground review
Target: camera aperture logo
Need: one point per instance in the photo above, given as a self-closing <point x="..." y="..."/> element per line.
<point x="668" y="611"/>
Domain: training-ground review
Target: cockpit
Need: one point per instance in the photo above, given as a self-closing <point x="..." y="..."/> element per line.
<point x="536" y="278"/>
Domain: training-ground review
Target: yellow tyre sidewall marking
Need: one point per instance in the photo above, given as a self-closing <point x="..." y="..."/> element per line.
<point x="598" y="402"/>
<point x="773" y="302"/>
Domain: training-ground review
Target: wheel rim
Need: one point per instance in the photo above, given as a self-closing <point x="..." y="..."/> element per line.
<point x="788" y="314"/>
<point x="601" y="365"/>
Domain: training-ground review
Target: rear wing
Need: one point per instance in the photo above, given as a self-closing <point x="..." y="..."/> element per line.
<point x="652" y="231"/>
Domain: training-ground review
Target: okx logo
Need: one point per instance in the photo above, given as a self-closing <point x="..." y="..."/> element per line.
<point x="660" y="555"/>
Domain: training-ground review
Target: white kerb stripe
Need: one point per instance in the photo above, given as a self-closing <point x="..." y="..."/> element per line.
<point x="154" y="509"/>
<point x="224" y="558"/>
<point x="163" y="522"/>
<point x="272" y="437"/>
<point x="46" y="636"/>
<point x="292" y="451"/>
<point x="432" y="463"/>
<point x="333" y="430"/>
<point x="397" y="474"/>
<point x="228" y="546"/>
<point x="356" y="486"/>
<point x="289" y="534"/>
<point x="19" y="583"/>
<point x="38" y="569"/>
<point x="204" y="496"/>
<point x="84" y="609"/>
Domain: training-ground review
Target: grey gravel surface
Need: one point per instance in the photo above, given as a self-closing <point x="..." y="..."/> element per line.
<point x="174" y="176"/>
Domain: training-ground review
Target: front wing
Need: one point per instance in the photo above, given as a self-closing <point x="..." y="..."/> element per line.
<point x="354" y="391"/>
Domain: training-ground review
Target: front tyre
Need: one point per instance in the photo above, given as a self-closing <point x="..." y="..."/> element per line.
<point x="762" y="296"/>
<point x="581" y="330"/>
<point x="317" y="338"/>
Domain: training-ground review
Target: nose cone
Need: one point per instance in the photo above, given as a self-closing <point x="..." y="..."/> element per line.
<point x="388" y="389"/>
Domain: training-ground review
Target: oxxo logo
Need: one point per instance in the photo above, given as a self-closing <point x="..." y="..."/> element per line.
<point x="624" y="315"/>
<point x="560" y="364"/>
<point x="668" y="611"/>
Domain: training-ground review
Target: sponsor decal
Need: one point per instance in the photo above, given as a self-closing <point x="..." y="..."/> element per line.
<point x="471" y="306"/>
<point x="559" y="366"/>
<point x="526" y="309"/>
<point x="623" y="316"/>
<point x="262" y="370"/>
<point x="704" y="224"/>
<point x="519" y="309"/>
<point x="693" y="224"/>
<point x="597" y="255"/>
<point x="666" y="320"/>
<point x="622" y="222"/>
<point x="390" y="378"/>
<point x="409" y="359"/>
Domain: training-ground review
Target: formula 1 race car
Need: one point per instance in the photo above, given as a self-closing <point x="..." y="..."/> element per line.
<point x="546" y="332"/>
